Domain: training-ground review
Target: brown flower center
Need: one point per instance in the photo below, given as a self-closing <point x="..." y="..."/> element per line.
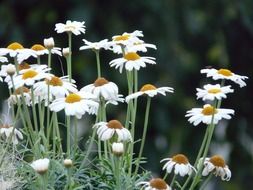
<point x="5" y="126"/>
<point x="15" y="46"/>
<point x="54" y="81"/>
<point x="218" y="161"/>
<point x="38" y="47"/>
<point x="147" y="87"/>
<point x="23" y="65"/>
<point x="21" y="90"/>
<point x="29" y="74"/>
<point x="72" y="98"/>
<point x="132" y="56"/>
<point x="122" y="37"/>
<point x="180" y="159"/>
<point x="114" y="124"/>
<point x="214" y="91"/>
<point x="100" y="82"/>
<point x="225" y="72"/>
<point x="158" y="183"/>
<point x="208" y="110"/>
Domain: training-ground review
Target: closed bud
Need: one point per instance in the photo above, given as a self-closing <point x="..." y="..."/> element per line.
<point x="65" y="52"/>
<point x="117" y="149"/>
<point x="49" y="43"/>
<point x="11" y="69"/>
<point x="68" y="163"/>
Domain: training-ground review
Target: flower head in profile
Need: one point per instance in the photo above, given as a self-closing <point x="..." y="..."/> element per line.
<point x="180" y="164"/>
<point x="96" y="46"/>
<point x="40" y="165"/>
<point x="74" y="27"/>
<point x="7" y="131"/>
<point x="41" y="50"/>
<point x="149" y="90"/>
<point x="212" y="92"/>
<point x="5" y="72"/>
<point x="131" y="61"/>
<point x="225" y="74"/>
<point x="154" y="184"/>
<point x="216" y="165"/>
<point x="20" y="94"/>
<point x="207" y="114"/>
<point x="127" y="38"/>
<point x="106" y="130"/>
<point x="75" y="104"/>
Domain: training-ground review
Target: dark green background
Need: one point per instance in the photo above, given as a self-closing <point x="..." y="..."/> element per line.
<point x="189" y="34"/>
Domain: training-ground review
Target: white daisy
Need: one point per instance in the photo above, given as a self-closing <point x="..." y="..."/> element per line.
<point x="3" y="72"/>
<point x="41" y="50"/>
<point x="180" y="164"/>
<point x="217" y="166"/>
<point x="75" y="104"/>
<point x="149" y="90"/>
<point x="211" y="92"/>
<point x="7" y="131"/>
<point x="106" y="130"/>
<point x="135" y="47"/>
<point x="58" y="87"/>
<point x="205" y="114"/>
<point x="225" y="74"/>
<point x="131" y="61"/>
<point x="17" y="96"/>
<point x="128" y="38"/>
<point x="3" y="59"/>
<point x="154" y="184"/>
<point x="40" y="165"/>
<point x="118" y="148"/>
<point x="74" y="27"/>
<point x="96" y="45"/>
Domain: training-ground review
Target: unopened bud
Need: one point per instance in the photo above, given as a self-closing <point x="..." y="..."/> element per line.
<point x="65" y="52"/>
<point x="117" y="149"/>
<point x="68" y="163"/>
<point x="10" y="69"/>
<point x="49" y="43"/>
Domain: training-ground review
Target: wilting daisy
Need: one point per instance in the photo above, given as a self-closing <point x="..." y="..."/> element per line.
<point x="7" y="131"/>
<point x="40" y="165"/>
<point x="95" y="45"/>
<point x="154" y="184"/>
<point x="58" y="87"/>
<point x="106" y="130"/>
<point x="74" y="27"/>
<point x="75" y="104"/>
<point x="180" y="164"/>
<point x="17" y="96"/>
<point x="211" y="92"/>
<point x="217" y="166"/>
<point x="207" y="114"/>
<point x="225" y="74"/>
<point x="150" y="90"/>
<point x="131" y="61"/>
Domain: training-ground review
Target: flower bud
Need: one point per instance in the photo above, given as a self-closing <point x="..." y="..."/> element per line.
<point x="68" y="163"/>
<point x="49" y="43"/>
<point x="10" y="69"/>
<point x="65" y="52"/>
<point x="117" y="149"/>
<point x="40" y="165"/>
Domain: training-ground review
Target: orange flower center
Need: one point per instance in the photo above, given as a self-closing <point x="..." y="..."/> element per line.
<point x="225" y="72"/>
<point x="29" y="74"/>
<point x="23" y="66"/>
<point x="147" y="87"/>
<point x="214" y="90"/>
<point x="54" y="81"/>
<point x="21" y="90"/>
<point x="218" y="161"/>
<point x="38" y="47"/>
<point x="158" y="183"/>
<point x="5" y="126"/>
<point x="180" y="159"/>
<point x="72" y="98"/>
<point x="100" y="82"/>
<point x="114" y="124"/>
<point x="208" y="110"/>
<point x="132" y="56"/>
<point x="122" y="37"/>
<point x="15" y="46"/>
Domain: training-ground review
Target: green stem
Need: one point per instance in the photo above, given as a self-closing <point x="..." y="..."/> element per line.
<point x="35" y="119"/>
<point x="173" y="180"/>
<point x="68" y="136"/>
<point x="49" y="58"/>
<point x="98" y="63"/>
<point x="202" y="187"/>
<point x="69" y="64"/>
<point x="117" y="172"/>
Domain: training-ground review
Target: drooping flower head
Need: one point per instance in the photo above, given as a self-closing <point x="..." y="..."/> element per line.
<point x="74" y="27"/>
<point x="154" y="184"/>
<point x="20" y="94"/>
<point x="41" y="50"/>
<point x="7" y="131"/>
<point x="96" y="46"/>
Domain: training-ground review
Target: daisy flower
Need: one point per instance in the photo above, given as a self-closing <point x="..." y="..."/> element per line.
<point x="73" y="27"/>
<point x="7" y="131"/>
<point x="40" y="165"/>
<point x="75" y="104"/>
<point x="41" y="50"/>
<point x="131" y="61"/>
<point x="4" y="73"/>
<point x="154" y="184"/>
<point x="17" y="96"/>
<point x="180" y="164"/>
<point x="211" y="92"/>
<point x="58" y="87"/>
<point x="217" y="166"/>
<point x="225" y="74"/>
<point x="95" y="45"/>
<point x="205" y="114"/>
<point x="106" y="130"/>
<point x="127" y="38"/>
<point x="149" y="90"/>
<point x="135" y="47"/>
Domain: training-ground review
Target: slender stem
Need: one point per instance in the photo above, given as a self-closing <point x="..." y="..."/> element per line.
<point x="204" y="184"/>
<point x="173" y="180"/>
<point x="16" y="64"/>
<point x="49" y="58"/>
<point x="38" y="59"/>
<point x="69" y="64"/>
<point x="75" y="134"/>
<point x="68" y="136"/>
<point x="117" y="172"/>
<point x="98" y="63"/>
<point x="165" y="176"/>
<point x="35" y="119"/>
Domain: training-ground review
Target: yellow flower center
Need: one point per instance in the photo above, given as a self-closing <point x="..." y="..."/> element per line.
<point x="218" y="161"/>
<point x="132" y="56"/>
<point x="29" y="74"/>
<point x="70" y="27"/>
<point x="21" y="90"/>
<point x="114" y="124"/>
<point x="72" y="98"/>
<point x="214" y="90"/>
<point x="23" y="66"/>
<point x="225" y="72"/>
<point x="100" y="82"/>
<point x="158" y="183"/>
<point x="38" y="47"/>
<point x="208" y="110"/>
<point x="122" y="37"/>
<point x="147" y="87"/>
<point x="180" y="159"/>
<point x="54" y="81"/>
<point x="15" y="46"/>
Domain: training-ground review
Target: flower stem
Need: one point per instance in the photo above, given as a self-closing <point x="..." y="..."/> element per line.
<point x="68" y="135"/>
<point x="69" y="60"/>
<point x="98" y="63"/>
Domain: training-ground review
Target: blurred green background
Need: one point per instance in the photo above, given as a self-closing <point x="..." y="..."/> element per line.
<point x="190" y="35"/>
